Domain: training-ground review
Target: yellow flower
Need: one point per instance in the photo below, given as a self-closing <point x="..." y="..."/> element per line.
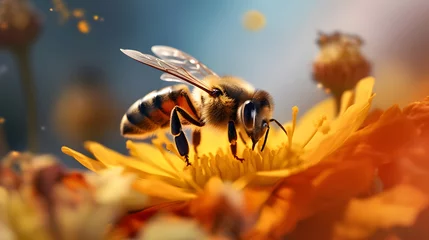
<point x="164" y="174"/>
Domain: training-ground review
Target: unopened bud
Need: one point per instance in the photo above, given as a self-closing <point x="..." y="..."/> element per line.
<point x="340" y="63"/>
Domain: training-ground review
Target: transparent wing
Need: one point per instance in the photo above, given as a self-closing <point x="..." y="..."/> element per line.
<point x="181" y="59"/>
<point x="175" y="71"/>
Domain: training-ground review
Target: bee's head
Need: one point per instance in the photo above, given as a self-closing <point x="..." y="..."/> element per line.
<point x="255" y="115"/>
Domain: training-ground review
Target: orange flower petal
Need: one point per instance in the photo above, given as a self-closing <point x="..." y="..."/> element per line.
<point x="75" y="181"/>
<point x="130" y="225"/>
<point x="372" y="117"/>
<point x="409" y="160"/>
<point x="341" y="176"/>
<point x="398" y="207"/>
<point x="390" y="131"/>
<point x="418" y="112"/>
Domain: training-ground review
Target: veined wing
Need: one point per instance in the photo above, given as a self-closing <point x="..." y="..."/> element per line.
<point x="181" y="59"/>
<point x="169" y="68"/>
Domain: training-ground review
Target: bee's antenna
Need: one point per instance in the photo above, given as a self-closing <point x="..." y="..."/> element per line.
<point x="265" y="139"/>
<point x="279" y="124"/>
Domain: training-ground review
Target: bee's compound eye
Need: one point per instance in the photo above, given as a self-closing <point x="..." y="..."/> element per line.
<point x="249" y="115"/>
<point x="216" y="92"/>
<point x="264" y="124"/>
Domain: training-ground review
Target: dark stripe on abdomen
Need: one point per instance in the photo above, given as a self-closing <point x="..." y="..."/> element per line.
<point x="153" y="111"/>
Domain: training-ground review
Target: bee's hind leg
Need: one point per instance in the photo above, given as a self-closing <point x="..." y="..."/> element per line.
<point x="232" y="137"/>
<point x="179" y="136"/>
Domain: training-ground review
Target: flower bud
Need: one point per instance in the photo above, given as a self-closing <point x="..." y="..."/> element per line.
<point x="340" y="63"/>
<point x="20" y="24"/>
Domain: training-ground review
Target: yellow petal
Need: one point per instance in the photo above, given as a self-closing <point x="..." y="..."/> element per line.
<point x="342" y="128"/>
<point x="327" y="109"/>
<point x="350" y="121"/>
<point x="87" y="162"/>
<point x="153" y="157"/>
<point x="105" y="155"/>
<point x="346" y="101"/>
<point x="364" y="90"/>
<point x="281" y="173"/>
<point x="305" y="124"/>
<point x="161" y="189"/>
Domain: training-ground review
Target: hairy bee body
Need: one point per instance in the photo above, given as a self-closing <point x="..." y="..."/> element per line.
<point x="152" y="112"/>
<point x="226" y="103"/>
<point x="216" y="112"/>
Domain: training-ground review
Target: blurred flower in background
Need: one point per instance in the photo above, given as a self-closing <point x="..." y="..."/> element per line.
<point x="86" y="108"/>
<point x="40" y="199"/>
<point x="20" y="24"/>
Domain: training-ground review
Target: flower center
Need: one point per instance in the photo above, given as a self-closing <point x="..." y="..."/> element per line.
<point x="222" y="164"/>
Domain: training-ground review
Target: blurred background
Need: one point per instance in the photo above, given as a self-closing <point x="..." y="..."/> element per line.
<point x="83" y="84"/>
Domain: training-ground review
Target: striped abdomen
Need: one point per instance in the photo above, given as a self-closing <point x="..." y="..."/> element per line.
<point x="153" y="111"/>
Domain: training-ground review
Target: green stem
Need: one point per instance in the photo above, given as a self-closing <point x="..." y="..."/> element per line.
<point x="29" y="91"/>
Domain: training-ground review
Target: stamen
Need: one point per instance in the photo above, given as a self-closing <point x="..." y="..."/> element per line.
<point x="318" y="125"/>
<point x="291" y="130"/>
<point x="158" y="142"/>
<point x="188" y="179"/>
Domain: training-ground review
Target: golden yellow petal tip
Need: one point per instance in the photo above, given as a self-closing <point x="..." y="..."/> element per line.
<point x="66" y="150"/>
<point x="128" y="143"/>
<point x="367" y="80"/>
<point x="90" y="144"/>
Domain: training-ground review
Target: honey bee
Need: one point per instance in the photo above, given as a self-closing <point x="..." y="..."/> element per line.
<point x="226" y="103"/>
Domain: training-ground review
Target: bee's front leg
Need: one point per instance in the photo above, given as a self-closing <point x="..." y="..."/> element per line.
<point x="232" y="137"/>
<point x="179" y="136"/>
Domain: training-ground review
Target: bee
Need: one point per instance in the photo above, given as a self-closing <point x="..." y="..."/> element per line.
<point x="226" y="103"/>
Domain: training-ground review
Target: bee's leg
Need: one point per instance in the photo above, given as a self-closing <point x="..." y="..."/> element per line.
<point x="232" y="137"/>
<point x="179" y="136"/>
<point x="196" y="139"/>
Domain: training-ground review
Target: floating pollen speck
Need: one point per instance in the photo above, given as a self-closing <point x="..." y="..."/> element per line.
<point x="78" y="13"/>
<point x="254" y="20"/>
<point x="51" y="9"/>
<point x="96" y="17"/>
<point x="83" y="27"/>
